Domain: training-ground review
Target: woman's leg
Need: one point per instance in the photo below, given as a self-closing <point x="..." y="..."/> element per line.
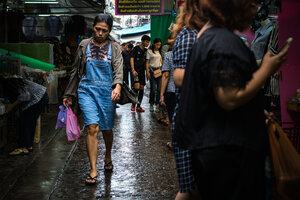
<point x="27" y="127"/>
<point x="158" y="83"/>
<point x="92" y="146"/>
<point x="140" y="95"/>
<point x="35" y="111"/>
<point x="108" y="137"/>
<point x="152" y="88"/>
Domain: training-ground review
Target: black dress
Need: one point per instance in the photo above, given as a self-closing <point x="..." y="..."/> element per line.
<point x="228" y="146"/>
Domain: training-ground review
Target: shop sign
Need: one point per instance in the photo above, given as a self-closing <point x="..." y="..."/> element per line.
<point x="139" y="7"/>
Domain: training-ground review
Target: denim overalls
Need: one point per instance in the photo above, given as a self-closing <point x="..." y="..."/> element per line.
<point x="94" y="92"/>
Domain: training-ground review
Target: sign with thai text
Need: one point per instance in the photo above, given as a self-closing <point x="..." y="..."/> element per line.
<point x="139" y="7"/>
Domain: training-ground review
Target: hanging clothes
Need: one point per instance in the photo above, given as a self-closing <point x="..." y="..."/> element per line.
<point x="53" y="25"/>
<point x="261" y="40"/>
<point x="29" y="27"/>
<point x="14" y="26"/>
<point x="272" y="92"/>
<point x="75" y="25"/>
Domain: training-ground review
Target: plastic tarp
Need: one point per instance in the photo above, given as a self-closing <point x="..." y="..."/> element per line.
<point x="160" y="27"/>
<point x="133" y="31"/>
<point x="31" y="62"/>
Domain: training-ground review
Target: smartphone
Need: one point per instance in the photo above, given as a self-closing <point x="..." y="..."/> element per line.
<point x="288" y="41"/>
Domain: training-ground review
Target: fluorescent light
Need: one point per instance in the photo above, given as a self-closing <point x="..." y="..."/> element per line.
<point x="41" y="2"/>
<point x="57" y="15"/>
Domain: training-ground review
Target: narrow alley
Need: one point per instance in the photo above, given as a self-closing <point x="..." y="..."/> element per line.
<point x="144" y="167"/>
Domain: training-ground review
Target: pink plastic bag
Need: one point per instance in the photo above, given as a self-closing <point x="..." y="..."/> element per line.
<point x="72" y="126"/>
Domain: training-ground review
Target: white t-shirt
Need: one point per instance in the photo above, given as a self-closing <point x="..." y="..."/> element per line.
<point x="155" y="59"/>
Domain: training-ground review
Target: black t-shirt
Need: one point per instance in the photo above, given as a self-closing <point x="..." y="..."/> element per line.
<point x="219" y="58"/>
<point x="139" y="56"/>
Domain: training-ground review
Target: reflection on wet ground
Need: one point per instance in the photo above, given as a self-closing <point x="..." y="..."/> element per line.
<point x="144" y="167"/>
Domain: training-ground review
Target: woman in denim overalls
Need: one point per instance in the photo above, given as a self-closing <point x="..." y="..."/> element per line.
<point x="96" y="96"/>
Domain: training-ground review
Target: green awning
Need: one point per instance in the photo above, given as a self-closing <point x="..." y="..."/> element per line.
<point x="31" y="62"/>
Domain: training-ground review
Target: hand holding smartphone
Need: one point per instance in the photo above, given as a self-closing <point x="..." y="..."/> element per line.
<point x="287" y="42"/>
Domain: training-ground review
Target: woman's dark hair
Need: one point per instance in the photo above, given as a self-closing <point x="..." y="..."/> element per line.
<point x="157" y="40"/>
<point x="11" y="87"/>
<point x="232" y="14"/>
<point x="107" y="18"/>
<point x="190" y="17"/>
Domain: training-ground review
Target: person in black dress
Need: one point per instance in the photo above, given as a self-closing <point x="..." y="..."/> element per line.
<point x="221" y="114"/>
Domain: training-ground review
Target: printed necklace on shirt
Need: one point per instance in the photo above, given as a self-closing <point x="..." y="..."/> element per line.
<point x="99" y="53"/>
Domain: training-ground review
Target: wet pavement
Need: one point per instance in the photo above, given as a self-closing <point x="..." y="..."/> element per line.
<point x="144" y="167"/>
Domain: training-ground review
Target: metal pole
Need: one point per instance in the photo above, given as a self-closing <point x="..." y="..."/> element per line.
<point x="5" y="21"/>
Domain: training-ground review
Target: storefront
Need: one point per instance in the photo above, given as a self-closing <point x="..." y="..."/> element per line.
<point x="52" y="35"/>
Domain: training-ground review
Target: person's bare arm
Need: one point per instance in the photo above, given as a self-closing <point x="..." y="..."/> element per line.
<point x="178" y="75"/>
<point x="134" y="73"/>
<point x="230" y="98"/>
<point x="147" y="69"/>
<point x="164" y="83"/>
<point x="11" y="106"/>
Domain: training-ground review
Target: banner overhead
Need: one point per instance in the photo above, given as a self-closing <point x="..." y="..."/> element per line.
<point x="139" y="7"/>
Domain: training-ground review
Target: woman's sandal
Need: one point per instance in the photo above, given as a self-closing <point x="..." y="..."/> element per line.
<point x="169" y="145"/>
<point x="91" y="180"/>
<point x="18" y="152"/>
<point x="108" y="166"/>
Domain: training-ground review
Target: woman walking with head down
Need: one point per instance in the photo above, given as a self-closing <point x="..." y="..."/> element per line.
<point x="96" y="81"/>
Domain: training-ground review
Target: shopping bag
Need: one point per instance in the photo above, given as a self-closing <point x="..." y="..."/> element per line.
<point x="286" y="164"/>
<point x="157" y="73"/>
<point x="127" y="95"/>
<point x="61" y="117"/>
<point x="72" y="126"/>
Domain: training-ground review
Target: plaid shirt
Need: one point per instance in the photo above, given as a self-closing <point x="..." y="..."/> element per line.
<point x="167" y="67"/>
<point x="31" y="94"/>
<point x="181" y="52"/>
<point x="183" y="46"/>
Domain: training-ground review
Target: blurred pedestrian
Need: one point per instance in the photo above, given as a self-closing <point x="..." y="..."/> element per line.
<point x="154" y="63"/>
<point x="138" y="69"/>
<point x="126" y="53"/>
<point x="97" y="77"/>
<point x="123" y="46"/>
<point x="32" y="99"/>
<point x="221" y="114"/>
<point x="185" y="32"/>
<point x="167" y="92"/>
<point x="165" y="48"/>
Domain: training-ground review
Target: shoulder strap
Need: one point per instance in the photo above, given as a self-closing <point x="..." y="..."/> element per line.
<point x="109" y="51"/>
<point x="88" y="50"/>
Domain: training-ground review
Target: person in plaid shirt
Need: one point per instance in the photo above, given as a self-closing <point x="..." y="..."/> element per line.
<point x="32" y="99"/>
<point x="185" y="32"/>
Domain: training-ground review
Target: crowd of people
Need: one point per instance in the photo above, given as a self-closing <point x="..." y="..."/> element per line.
<point x="205" y="77"/>
<point x="210" y="84"/>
